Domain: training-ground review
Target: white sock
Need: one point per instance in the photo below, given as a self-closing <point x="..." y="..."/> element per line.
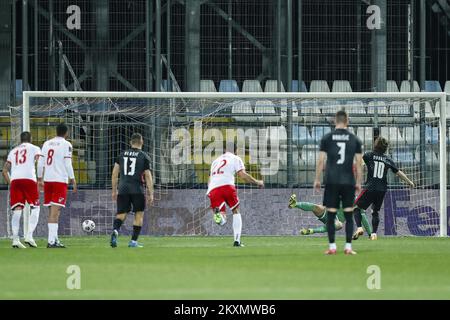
<point x="348" y="246"/>
<point x="237" y="227"/>
<point x="52" y="232"/>
<point x="332" y="246"/>
<point x="15" y="224"/>
<point x="33" y="221"/>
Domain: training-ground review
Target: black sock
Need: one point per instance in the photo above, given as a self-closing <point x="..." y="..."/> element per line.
<point x="117" y="224"/>
<point x="331" y="228"/>
<point x="136" y="232"/>
<point x="358" y="217"/>
<point x="348" y="226"/>
<point x="375" y="221"/>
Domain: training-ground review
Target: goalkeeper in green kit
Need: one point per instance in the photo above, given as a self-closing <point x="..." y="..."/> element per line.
<point x="321" y="213"/>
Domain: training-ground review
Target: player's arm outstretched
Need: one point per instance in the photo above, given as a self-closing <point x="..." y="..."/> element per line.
<point x="405" y="178"/>
<point x="115" y="180"/>
<point x="149" y="183"/>
<point x="248" y="178"/>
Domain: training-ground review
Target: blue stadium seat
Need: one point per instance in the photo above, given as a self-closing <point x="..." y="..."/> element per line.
<point x="432" y="135"/>
<point x="432" y="86"/>
<point x="228" y="86"/>
<point x="318" y="133"/>
<point x="301" y="135"/>
<point x="294" y="87"/>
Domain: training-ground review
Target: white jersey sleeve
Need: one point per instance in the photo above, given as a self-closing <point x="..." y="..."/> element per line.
<point x="56" y="163"/>
<point x="23" y="161"/>
<point x="223" y="171"/>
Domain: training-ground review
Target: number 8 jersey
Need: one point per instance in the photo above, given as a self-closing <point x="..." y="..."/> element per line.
<point x="57" y="161"/>
<point x="133" y="164"/>
<point x="223" y="170"/>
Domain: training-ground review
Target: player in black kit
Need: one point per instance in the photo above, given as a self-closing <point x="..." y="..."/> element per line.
<point x="378" y="165"/>
<point x="341" y="148"/>
<point x="134" y="168"/>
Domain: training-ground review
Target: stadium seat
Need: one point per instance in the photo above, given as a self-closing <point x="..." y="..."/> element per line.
<point x="403" y="157"/>
<point x="432" y="135"/>
<point x="301" y="135"/>
<point x="447" y="90"/>
<point x="207" y="86"/>
<point x="165" y="85"/>
<point x="318" y="132"/>
<point x="432" y="86"/>
<point x="319" y="86"/>
<point x="272" y="86"/>
<point x="366" y="135"/>
<point x="411" y="135"/>
<point x="294" y="86"/>
<point x="401" y="112"/>
<point x="242" y="107"/>
<point x="265" y="111"/>
<point x="406" y="86"/>
<point x="309" y="110"/>
<point x="393" y="135"/>
<point x="341" y="86"/>
<point x="310" y="154"/>
<point x="383" y="112"/>
<point x="357" y="112"/>
<point x="391" y="86"/>
<point x="251" y="86"/>
<point x="228" y="86"/>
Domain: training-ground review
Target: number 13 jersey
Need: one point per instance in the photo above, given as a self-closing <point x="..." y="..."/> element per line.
<point x="223" y="171"/>
<point x="133" y="164"/>
<point x="340" y="146"/>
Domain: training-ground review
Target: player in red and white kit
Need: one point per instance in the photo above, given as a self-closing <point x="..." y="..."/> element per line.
<point x="55" y="166"/>
<point x="23" y="187"/>
<point x="222" y="190"/>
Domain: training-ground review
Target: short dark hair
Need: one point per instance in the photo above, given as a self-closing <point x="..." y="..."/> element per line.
<point x="25" y="137"/>
<point x="381" y="145"/>
<point x="136" y="138"/>
<point x="231" y="146"/>
<point x="61" y="129"/>
<point x="341" y="116"/>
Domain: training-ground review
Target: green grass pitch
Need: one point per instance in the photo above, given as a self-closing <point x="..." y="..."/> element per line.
<point x="210" y="268"/>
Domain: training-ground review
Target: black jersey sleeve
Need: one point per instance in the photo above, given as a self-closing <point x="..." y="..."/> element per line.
<point x="118" y="159"/>
<point x="358" y="145"/>
<point x="366" y="158"/>
<point x="392" y="165"/>
<point x="324" y="143"/>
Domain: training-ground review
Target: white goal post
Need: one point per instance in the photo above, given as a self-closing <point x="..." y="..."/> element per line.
<point x="440" y="121"/>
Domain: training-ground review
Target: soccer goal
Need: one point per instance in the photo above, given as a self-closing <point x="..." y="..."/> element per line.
<point x="276" y="134"/>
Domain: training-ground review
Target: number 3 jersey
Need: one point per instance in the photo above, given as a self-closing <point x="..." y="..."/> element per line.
<point x="22" y="159"/>
<point x="340" y="146"/>
<point x="377" y="168"/>
<point x="57" y="161"/>
<point x="223" y="170"/>
<point x="133" y="164"/>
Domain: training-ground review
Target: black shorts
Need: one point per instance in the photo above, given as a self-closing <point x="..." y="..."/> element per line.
<point x="367" y="198"/>
<point x="130" y="202"/>
<point x="335" y="193"/>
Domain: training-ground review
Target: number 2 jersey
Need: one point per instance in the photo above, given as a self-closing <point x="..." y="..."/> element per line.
<point x="340" y="146"/>
<point x="377" y="168"/>
<point x="22" y="160"/>
<point x="57" y="161"/>
<point x="223" y="170"/>
<point x="133" y="164"/>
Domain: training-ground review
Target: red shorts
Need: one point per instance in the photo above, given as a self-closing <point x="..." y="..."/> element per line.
<point x="23" y="191"/>
<point x="224" y="195"/>
<point x="55" y="193"/>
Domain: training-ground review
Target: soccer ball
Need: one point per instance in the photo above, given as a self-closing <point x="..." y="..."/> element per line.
<point x="88" y="225"/>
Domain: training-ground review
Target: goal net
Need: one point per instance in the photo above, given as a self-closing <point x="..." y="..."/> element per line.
<point x="277" y="135"/>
